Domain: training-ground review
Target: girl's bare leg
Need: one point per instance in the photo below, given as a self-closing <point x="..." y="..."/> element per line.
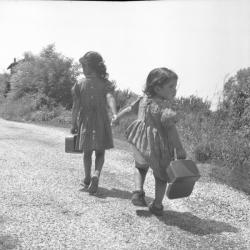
<point x="160" y="189"/>
<point x="87" y="161"/>
<point x="99" y="161"/>
<point x="140" y="173"/>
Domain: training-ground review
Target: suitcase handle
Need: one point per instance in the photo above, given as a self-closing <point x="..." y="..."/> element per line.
<point x="175" y="155"/>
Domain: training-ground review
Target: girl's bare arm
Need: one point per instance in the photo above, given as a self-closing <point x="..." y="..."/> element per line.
<point x="132" y="108"/>
<point x="175" y="141"/>
<point x="124" y="112"/>
<point x="111" y="103"/>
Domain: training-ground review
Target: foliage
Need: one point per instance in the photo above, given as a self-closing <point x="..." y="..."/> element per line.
<point x="236" y="101"/>
<point x="228" y="129"/>
<point x="123" y="98"/>
<point x="192" y="104"/>
<point x="4" y="85"/>
<point x="18" y="109"/>
<point x="50" y="76"/>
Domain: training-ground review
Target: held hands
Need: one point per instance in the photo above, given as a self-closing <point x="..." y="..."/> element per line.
<point x="114" y="120"/>
<point x="73" y="130"/>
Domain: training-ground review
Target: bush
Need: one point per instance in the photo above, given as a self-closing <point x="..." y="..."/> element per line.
<point x="50" y="76"/>
<point x="123" y="98"/>
<point x="19" y="109"/>
<point x="192" y="104"/>
<point x="232" y="149"/>
<point x="194" y="130"/>
<point x="63" y="119"/>
<point x="4" y="85"/>
<point x="203" y="152"/>
<point x="236" y="100"/>
<point x="45" y="114"/>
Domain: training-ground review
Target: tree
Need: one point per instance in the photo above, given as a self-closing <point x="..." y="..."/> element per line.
<point x="236" y="100"/>
<point x="123" y="97"/>
<point x="4" y="84"/>
<point x="50" y="76"/>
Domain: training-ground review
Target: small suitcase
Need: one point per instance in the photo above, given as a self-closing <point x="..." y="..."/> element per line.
<point x="70" y="145"/>
<point x="182" y="176"/>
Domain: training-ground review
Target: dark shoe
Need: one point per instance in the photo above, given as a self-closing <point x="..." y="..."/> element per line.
<point x="85" y="183"/>
<point x="155" y="210"/>
<point x="138" y="198"/>
<point x="93" y="185"/>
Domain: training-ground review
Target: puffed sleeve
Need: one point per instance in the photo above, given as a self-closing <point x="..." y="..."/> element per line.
<point x="135" y="105"/>
<point x="168" y="118"/>
<point x="109" y="87"/>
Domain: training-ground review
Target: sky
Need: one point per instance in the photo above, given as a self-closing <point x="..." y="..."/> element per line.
<point x="203" y="41"/>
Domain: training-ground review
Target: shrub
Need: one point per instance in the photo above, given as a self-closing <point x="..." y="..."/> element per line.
<point x="4" y="85"/>
<point x="18" y="109"/>
<point x="236" y="100"/>
<point x="45" y="114"/>
<point x="203" y="152"/>
<point x="123" y="98"/>
<point x="49" y="75"/>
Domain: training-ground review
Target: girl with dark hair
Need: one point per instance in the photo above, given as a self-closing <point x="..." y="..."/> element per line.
<point x="153" y="135"/>
<point x="91" y="98"/>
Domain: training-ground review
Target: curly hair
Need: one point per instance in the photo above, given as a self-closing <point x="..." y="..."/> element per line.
<point x="158" y="77"/>
<point x="94" y="61"/>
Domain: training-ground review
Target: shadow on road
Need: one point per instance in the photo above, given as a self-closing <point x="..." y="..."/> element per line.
<point x="191" y="223"/>
<point x="103" y="193"/>
<point x="113" y="192"/>
<point x="7" y="241"/>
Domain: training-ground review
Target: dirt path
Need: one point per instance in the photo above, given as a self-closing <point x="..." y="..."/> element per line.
<point x="41" y="206"/>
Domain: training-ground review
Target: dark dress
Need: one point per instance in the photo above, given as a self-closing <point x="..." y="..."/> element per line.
<point x="95" y="131"/>
<point x="148" y="133"/>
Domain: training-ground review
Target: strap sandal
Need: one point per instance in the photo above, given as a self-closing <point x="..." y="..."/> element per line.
<point x="156" y="210"/>
<point x="85" y="183"/>
<point x="93" y="187"/>
<point x="138" y="198"/>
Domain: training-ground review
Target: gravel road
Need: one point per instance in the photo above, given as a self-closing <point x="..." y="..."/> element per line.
<point x="42" y="206"/>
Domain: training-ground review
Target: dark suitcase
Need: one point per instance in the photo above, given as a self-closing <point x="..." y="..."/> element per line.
<point x="71" y="145"/>
<point x="182" y="176"/>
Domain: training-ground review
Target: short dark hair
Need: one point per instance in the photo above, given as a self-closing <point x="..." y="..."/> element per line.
<point x="158" y="77"/>
<point x="95" y="62"/>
